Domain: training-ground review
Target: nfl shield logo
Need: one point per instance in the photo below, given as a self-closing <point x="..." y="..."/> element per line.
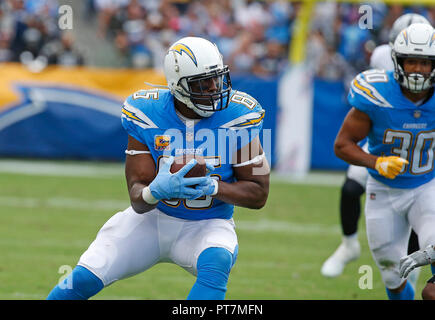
<point x="372" y="196"/>
<point x="417" y="114"/>
<point x="162" y="142"/>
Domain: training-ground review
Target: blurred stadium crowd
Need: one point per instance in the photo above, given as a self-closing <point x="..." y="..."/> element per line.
<point x="252" y="35"/>
<point x="29" y="32"/>
<point x="338" y="48"/>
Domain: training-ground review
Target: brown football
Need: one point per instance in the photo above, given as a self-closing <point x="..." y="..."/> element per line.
<point x="199" y="170"/>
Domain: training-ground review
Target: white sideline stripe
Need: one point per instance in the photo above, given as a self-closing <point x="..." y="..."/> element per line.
<point x="59" y="202"/>
<point x="107" y="170"/>
<point x="328" y="179"/>
<point x="286" y="227"/>
<point x="55" y="168"/>
<point x="34" y="296"/>
<point x="116" y="205"/>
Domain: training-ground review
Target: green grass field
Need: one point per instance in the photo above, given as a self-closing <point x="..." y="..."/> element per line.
<point x="48" y="220"/>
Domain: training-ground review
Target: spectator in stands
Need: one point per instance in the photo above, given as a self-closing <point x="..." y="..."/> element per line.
<point x="274" y="60"/>
<point x="130" y="38"/>
<point x="333" y="66"/>
<point x="63" y="51"/>
<point x="6" y="53"/>
<point x="29" y="33"/>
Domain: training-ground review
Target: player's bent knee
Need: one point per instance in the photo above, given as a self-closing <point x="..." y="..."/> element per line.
<point x="214" y="266"/>
<point x="352" y="188"/>
<point x="81" y="284"/>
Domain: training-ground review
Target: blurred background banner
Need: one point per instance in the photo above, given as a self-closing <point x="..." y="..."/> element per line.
<point x="71" y="113"/>
<point x="66" y="66"/>
<point x="295" y="96"/>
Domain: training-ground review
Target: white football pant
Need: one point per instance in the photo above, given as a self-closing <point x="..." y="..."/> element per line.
<point x="130" y="243"/>
<point x="390" y="214"/>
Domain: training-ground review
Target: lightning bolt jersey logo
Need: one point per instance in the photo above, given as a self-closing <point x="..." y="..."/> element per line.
<point x="180" y="48"/>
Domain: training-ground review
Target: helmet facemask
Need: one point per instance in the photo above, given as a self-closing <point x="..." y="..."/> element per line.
<point x="414" y="82"/>
<point x="416" y="42"/>
<point x="198" y="96"/>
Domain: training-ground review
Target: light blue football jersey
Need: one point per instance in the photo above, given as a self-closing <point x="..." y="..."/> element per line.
<point x="150" y="117"/>
<point x="399" y="127"/>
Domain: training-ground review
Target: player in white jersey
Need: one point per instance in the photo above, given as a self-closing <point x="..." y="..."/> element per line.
<point x="396" y="112"/>
<point x="356" y="176"/>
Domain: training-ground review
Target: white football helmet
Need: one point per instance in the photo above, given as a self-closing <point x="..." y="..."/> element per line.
<point x="416" y="41"/>
<point x="403" y="22"/>
<point x="196" y="75"/>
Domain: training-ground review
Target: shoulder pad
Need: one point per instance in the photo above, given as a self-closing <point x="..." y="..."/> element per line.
<point x="245" y="111"/>
<point x="367" y="88"/>
<point x="144" y="107"/>
<point x="244" y="99"/>
<point x="140" y="107"/>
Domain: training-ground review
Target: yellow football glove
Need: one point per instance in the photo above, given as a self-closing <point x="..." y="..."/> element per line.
<point x="390" y="167"/>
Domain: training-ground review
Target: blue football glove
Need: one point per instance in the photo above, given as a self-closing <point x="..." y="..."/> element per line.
<point x="209" y="186"/>
<point x="167" y="185"/>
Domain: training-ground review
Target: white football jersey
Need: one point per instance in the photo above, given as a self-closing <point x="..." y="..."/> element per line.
<point x="381" y="58"/>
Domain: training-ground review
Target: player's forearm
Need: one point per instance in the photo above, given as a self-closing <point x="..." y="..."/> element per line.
<point x="353" y="154"/>
<point x="248" y="194"/>
<point x="137" y="201"/>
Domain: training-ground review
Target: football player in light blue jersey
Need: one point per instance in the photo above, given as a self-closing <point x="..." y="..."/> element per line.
<point x="172" y="218"/>
<point x="396" y="111"/>
<point x="356" y="177"/>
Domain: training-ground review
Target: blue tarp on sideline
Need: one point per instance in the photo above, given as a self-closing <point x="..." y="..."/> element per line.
<point x="329" y="110"/>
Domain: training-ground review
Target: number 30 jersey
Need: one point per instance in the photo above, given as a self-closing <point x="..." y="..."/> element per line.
<point x="399" y="127"/>
<point x="150" y="117"/>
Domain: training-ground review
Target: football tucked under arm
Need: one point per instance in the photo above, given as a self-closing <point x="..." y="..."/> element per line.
<point x="199" y="170"/>
<point x="169" y="185"/>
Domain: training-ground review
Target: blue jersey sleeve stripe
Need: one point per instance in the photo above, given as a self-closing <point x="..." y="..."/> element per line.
<point x="362" y="88"/>
<point x="248" y="120"/>
<point x="136" y="116"/>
